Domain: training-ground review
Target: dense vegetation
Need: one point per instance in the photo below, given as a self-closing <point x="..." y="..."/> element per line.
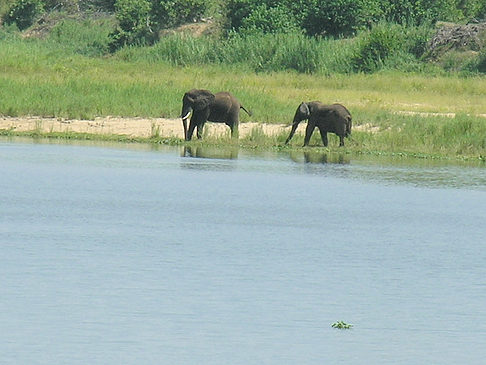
<point x="81" y="59"/>
<point x="334" y="36"/>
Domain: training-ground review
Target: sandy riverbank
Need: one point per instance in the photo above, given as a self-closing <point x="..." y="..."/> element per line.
<point x="133" y="127"/>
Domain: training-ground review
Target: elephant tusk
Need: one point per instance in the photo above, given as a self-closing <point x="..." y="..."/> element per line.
<point x="186" y="116"/>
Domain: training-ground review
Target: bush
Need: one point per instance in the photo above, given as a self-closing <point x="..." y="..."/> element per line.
<point x="481" y="65"/>
<point x="332" y="17"/>
<point x="472" y="8"/>
<point x="377" y="45"/>
<point x="417" y="39"/>
<point x="134" y="24"/>
<point x="416" y="12"/>
<point x="98" y="5"/>
<point x="341" y="17"/>
<point x="167" y="13"/>
<point x="24" y="13"/>
<point x="345" y="17"/>
<point x="236" y="11"/>
<point x="267" y="19"/>
<point x="69" y="6"/>
<point x="391" y="46"/>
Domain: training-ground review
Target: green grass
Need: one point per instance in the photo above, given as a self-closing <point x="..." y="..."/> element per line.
<point x="42" y="78"/>
<point x="460" y="137"/>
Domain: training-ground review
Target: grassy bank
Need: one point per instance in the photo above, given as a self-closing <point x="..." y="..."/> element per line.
<point x="40" y="79"/>
<point x="460" y="138"/>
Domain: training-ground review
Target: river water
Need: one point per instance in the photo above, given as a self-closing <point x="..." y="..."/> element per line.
<point x="114" y="254"/>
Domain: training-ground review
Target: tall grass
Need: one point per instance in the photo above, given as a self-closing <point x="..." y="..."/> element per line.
<point x="260" y="53"/>
<point x="88" y="37"/>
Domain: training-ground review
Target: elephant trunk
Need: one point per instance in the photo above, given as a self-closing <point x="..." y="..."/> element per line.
<point x="295" y="123"/>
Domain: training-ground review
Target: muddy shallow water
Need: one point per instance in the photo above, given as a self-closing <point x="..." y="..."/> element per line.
<point x="132" y="254"/>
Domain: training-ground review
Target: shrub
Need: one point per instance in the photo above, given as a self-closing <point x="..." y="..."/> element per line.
<point x="98" y="5"/>
<point x="341" y="17"/>
<point x="417" y="39"/>
<point x="345" y="17"/>
<point x="332" y="17"/>
<point x="134" y="24"/>
<point x="69" y="6"/>
<point x="472" y="8"/>
<point x="236" y="11"/>
<point x="481" y="65"/>
<point x="267" y="19"/>
<point x="377" y="45"/>
<point x="416" y="12"/>
<point x="168" y="13"/>
<point x="24" y="13"/>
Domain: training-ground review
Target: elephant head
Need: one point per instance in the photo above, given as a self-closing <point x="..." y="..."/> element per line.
<point x="303" y="112"/>
<point x="195" y="100"/>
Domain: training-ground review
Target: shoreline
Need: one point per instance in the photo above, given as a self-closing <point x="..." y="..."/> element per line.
<point x="170" y="131"/>
<point x="133" y="127"/>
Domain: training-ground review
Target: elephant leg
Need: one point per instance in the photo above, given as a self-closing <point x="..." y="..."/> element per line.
<point x="192" y="125"/>
<point x="341" y="141"/>
<point x="233" y="128"/>
<point x="197" y="120"/>
<point x="199" y="132"/>
<point x="190" y="131"/>
<point x="308" y="132"/>
<point x="323" y="136"/>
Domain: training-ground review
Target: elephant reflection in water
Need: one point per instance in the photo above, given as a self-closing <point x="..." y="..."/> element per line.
<point x="333" y="118"/>
<point x="340" y="159"/>
<point x="314" y="157"/>
<point x="205" y="152"/>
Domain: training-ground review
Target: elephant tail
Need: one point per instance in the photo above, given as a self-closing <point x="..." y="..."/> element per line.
<point x="247" y="112"/>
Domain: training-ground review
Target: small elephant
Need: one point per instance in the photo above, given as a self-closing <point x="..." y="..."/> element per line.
<point x="333" y="118"/>
<point x="205" y="106"/>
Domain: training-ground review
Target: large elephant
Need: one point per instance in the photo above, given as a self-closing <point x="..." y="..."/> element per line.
<point x="205" y="106"/>
<point x="333" y="118"/>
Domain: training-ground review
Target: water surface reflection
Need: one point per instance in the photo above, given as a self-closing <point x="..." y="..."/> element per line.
<point x="140" y="254"/>
<point x="319" y="157"/>
<point x="432" y="173"/>
<point x="230" y="153"/>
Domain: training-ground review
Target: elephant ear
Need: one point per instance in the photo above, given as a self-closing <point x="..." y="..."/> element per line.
<point x="203" y="99"/>
<point x="304" y="110"/>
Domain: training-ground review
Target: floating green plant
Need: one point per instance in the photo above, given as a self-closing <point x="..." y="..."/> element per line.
<point x="341" y="325"/>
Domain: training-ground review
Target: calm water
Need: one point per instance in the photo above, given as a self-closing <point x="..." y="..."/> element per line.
<point x="125" y="255"/>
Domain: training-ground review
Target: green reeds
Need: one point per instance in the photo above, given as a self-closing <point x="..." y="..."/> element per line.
<point x="258" y="52"/>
